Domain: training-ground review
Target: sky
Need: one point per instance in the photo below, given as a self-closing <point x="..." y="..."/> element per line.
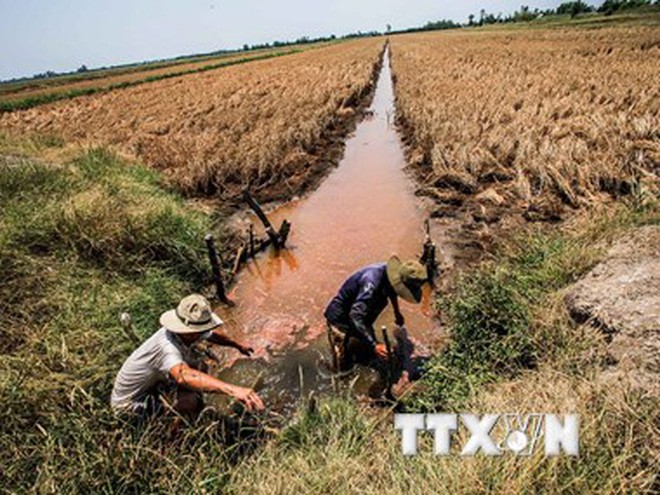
<point x="62" y="35"/>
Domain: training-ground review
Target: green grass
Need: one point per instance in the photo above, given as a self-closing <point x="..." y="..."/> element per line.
<point x="498" y="314"/>
<point x="83" y="240"/>
<point x="491" y="315"/>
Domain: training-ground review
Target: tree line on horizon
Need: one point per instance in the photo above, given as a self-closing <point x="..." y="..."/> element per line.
<point x="572" y="8"/>
<point x="524" y="14"/>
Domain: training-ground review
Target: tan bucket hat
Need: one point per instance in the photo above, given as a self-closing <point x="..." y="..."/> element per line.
<point x="192" y="315"/>
<point x="406" y="278"/>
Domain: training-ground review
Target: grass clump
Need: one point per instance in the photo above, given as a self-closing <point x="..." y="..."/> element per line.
<point x="492" y="316"/>
<point x="322" y="451"/>
<point x="80" y="242"/>
<point x="102" y="213"/>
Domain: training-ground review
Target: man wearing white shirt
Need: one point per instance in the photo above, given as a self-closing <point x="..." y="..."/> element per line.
<point x="162" y="365"/>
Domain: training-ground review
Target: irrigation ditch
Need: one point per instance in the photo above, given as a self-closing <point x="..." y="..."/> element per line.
<point x="366" y="209"/>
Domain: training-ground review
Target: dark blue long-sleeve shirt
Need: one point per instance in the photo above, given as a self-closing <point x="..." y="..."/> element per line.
<point x="362" y="297"/>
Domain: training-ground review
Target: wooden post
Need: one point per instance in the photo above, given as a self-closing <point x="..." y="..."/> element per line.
<point x="270" y="231"/>
<point x="428" y="254"/>
<point x="239" y="258"/>
<point x="215" y="270"/>
<point x="285" y="228"/>
<point x="390" y="362"/>
<point x="311" y="403"/>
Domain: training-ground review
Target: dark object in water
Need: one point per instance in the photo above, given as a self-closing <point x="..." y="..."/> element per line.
<point x="215" y="270"/>
<point x="428" y="257"/>
<point x="277" y="238"/>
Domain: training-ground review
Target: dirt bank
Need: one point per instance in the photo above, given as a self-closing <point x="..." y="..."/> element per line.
<point x="621" y="297"/>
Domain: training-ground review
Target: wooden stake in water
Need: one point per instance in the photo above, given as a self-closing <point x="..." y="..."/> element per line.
<point x="272" y="233"/>
<point x="390" y="361"/>
<point x="428" y="254"/>
<point x="215" y="271"/>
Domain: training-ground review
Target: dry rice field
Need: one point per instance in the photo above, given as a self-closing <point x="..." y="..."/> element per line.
<point x="260" y="123"/>
<point x="113" y="77"/>
<point x="545" y="118"/>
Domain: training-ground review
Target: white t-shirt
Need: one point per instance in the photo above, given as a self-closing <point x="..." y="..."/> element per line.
<point x="147" y="366"/>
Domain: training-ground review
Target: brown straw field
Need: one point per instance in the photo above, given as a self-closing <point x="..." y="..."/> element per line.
<point x="261" y="123"/>
<point x="546" y="118"/>
<point x="116" y="77"/>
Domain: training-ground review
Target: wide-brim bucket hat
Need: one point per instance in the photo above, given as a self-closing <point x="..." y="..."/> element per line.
<point x="406" y="278"/>
<point x="192" y="315"/>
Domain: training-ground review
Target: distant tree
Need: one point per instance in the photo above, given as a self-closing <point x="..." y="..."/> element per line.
<point x="471" y="20"/>
<point x="246" y="47"/>
<point x="82" y="68"/>
<point x="610" y="6"/>
<point x="523" y="15"/>
<point x="388" y="28"/>
<point x="442" y="24"/>
<point x="574" y="8"/>
<point x="486" y="18"/>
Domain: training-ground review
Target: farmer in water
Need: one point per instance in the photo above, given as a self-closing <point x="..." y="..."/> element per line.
<point x="364" y="295"/>
<point x="161" y="369"/>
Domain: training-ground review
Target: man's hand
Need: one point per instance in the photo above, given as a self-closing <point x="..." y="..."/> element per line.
<point x="247" y="397"/>
<point x="381" y="351"/>
<point x="193" y="379"/>
<point x="399" y="319"/>
<point x="246" y="350"/>
<point x="218" y="337"/>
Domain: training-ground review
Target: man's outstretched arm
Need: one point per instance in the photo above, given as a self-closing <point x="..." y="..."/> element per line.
<point x="188" y="377"/>
<point x="358" y="316"/>
<point x="220" y="338"/>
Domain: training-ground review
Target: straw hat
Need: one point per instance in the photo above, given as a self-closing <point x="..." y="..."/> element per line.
<point x="192" y="315"/>
<point x="406" y="278"/>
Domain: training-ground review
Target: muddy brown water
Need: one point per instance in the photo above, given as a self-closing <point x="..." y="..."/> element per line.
<point x="362" y="213"/>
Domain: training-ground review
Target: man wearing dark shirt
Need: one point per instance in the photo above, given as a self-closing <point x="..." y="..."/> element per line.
<point x="365" y="294"/>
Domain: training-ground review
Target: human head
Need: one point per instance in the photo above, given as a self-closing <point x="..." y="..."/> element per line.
<point x="191" y="319"/>
<point x="407" y="278"/>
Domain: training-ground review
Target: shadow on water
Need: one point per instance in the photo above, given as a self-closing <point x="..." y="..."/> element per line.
<point x="362" y="213"/>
